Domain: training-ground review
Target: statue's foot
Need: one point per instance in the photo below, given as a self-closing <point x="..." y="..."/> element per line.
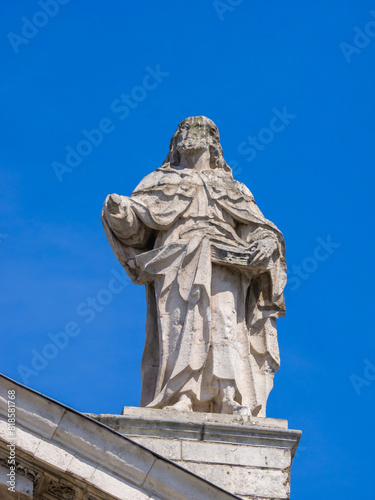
<point x="233" y="408"/>
<point x="183" y="404"/>
<point x="242" y="410"/>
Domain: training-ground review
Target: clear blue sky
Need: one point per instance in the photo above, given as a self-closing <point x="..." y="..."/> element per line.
<point x="312" y="176"/>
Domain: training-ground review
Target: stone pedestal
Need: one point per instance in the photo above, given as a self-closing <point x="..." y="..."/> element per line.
<point x="246" y="456"/>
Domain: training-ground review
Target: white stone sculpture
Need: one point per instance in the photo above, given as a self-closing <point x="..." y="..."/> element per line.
<point x="214" y="270"/>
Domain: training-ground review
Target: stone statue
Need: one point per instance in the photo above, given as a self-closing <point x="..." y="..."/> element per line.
<point x="214" y="270"/>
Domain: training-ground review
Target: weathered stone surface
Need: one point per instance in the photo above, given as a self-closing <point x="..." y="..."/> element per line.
<point x="259" y="482"/>
<point x="165" y="480"/>
<point x="231" y="454"/>
<point x="131" y="460"/>
<point x="168" y="448"/>
<point x="214" y="270"/>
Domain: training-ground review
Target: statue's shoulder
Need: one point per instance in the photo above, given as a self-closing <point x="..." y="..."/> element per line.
<point x="155" y="180"/>
<point x="243" y="189"/>
<point x="236" y="188"/>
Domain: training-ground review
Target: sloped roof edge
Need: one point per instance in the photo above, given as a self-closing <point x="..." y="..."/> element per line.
<point x="77" y="438"/>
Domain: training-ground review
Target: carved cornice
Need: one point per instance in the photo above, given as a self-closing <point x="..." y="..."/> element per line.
<point x="23" y="469"/>
<point x="59" y="491"/>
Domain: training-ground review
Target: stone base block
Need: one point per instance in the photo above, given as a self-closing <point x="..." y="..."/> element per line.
<point x="246" y="456"/>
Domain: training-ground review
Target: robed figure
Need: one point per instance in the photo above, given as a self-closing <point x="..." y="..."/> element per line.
<point x="214" y="271"/>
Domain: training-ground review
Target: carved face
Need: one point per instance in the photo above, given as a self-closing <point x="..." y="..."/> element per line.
<point x="193" y="135"/>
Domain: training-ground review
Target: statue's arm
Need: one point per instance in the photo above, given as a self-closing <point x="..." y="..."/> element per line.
<point x="119" y="215"/>
<point x="263" y="243"/>
<point x="262" y="249"/>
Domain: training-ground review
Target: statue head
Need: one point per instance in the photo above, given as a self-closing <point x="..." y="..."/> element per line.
<point x="193" y="135"/>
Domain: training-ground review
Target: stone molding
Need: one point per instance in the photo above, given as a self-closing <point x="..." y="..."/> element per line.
<point x="204" y="426"/>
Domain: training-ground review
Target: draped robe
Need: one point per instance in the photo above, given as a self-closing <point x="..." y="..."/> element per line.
<point x="211" y="316"/>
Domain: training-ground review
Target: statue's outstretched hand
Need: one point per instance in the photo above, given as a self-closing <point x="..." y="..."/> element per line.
<point x="262" y="250"/>
<point x="117" y="204"/>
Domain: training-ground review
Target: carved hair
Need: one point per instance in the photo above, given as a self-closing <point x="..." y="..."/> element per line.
<point x="216" y="152"/>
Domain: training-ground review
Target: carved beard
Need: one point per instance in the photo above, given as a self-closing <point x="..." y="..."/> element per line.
<point x="191" y="146"/>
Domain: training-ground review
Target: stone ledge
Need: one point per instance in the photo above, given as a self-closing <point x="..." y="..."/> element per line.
<point x="190" y="417"/>
<point x="206" y="427"/>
